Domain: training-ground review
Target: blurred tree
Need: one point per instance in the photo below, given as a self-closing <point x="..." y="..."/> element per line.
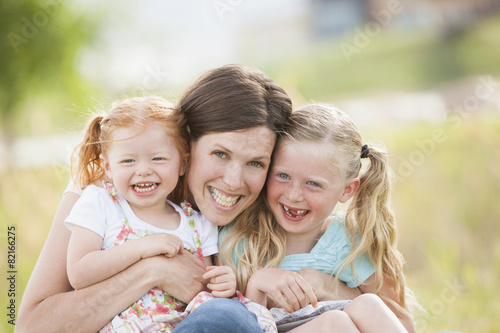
<point x="40" y="44"/>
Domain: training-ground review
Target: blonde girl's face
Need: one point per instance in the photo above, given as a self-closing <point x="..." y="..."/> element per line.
<point x="303" y="186"/>
<point x="143" y="165"/>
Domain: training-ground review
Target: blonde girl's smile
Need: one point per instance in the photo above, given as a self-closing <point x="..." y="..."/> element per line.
<point x="303" y="186"/>
<point x="294" y="214"/>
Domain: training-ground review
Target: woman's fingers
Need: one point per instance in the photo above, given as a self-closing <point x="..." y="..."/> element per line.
<point x="282" y="301"/>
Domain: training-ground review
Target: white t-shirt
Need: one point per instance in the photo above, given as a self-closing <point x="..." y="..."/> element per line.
<point x="96" y="211"/>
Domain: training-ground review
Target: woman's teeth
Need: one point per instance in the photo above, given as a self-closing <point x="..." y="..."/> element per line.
<point x="223" y="200"/>
<point x="295" y="213"/>
<point x="145" y="187"/>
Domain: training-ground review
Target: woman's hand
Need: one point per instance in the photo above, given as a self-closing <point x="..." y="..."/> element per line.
<point x="288" y="289"/>
<point x="180" y="276"/>
<point x="222" y="280"/>
<point x="325" y="287"/>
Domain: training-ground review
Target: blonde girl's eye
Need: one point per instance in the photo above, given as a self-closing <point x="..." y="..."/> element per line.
<point x="313" y="183"/>
<point x="128" y="161"/>
<point x="158" y="158"/>
<point x="283" y="176"/>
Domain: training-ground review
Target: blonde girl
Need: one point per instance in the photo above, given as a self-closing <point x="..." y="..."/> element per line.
<point x="317" y="164"/>
<point x="140" y="147"/>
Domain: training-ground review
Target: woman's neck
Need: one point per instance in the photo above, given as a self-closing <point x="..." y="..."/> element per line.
<point x="302" y="243"/>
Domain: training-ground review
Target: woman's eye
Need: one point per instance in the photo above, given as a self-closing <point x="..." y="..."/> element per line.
<point x="128" y="161"/>
<point x="220" y="154"/>
<point x="158" y="158"/>
<point x="256" y="164"/>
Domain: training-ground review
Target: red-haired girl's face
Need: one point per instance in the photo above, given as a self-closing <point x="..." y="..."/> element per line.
<point x="144" y="165"/>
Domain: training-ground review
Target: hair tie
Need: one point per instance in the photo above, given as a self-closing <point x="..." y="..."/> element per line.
<point x="365" y="151"/>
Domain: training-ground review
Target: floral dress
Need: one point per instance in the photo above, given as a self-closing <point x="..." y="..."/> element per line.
<point x="156" y="311"/>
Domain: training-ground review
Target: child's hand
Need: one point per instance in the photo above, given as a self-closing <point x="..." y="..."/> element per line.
<point x="222" y="280"/>
<point x="156" y="244"/>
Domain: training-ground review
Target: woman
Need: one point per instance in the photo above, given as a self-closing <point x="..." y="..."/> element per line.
<point x="234" y="116"/>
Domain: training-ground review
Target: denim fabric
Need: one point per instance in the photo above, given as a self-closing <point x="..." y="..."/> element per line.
<point x="220" y="315"/>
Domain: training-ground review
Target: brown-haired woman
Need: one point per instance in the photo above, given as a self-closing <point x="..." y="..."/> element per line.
<point x="234" y="116"/>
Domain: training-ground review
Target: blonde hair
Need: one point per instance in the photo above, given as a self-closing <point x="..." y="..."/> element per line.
<point x="254" y="241"/>
<point x="369" y="215"/>
<point x="86" y="163"/>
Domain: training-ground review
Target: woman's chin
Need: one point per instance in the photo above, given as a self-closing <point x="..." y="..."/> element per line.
<point x="221" y="215"/>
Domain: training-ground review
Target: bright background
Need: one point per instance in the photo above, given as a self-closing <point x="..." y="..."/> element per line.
<point x="421" y="76"/>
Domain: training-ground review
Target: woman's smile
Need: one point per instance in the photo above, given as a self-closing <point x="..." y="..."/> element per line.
<point x="228" y="170"/>
<point x="222" y="198"/>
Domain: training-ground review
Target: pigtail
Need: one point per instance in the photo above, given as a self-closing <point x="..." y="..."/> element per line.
<point x="86" y="163"/>
<point x="370" y="217"/>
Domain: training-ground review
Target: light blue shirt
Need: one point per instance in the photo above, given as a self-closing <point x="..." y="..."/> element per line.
<point x="328" y="254"/>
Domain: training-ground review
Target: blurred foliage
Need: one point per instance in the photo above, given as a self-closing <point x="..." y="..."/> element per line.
<point x="394" y="59"/>
<point x="39" y="51"/>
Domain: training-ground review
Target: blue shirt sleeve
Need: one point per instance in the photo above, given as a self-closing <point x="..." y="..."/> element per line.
<point x="337" y="243"/>
<point x="330" y="253"/>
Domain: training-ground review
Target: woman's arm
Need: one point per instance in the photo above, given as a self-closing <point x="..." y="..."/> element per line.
<point x="49" y="303"/>
<point x="325" y="287"/>
<point x="288" y="289"/>
<point x="88" y="264"/>
<point x="370" y="286"/>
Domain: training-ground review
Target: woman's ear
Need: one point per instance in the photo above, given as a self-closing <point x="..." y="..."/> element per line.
<point x="349" y="190"/>
<point x="184" y="165"/>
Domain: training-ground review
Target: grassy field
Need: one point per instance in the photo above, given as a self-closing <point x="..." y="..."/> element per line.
<point x="447" y="210"/>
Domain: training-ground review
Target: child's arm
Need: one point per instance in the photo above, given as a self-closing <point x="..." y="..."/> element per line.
<point x="88" y="265"/>
<point x="222" y="280"/>
<point x="370" y="286"/>
<point x="287" y="288"/>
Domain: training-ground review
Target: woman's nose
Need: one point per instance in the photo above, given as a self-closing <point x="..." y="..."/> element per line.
<point x="233" y="177"/>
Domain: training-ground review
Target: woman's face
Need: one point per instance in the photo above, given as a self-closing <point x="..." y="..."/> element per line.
<point x="228" y="171"/>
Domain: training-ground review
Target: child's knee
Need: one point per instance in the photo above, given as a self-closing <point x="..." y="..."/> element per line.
<point x="365" y="303"/>
<point x="336" y="320"/>
<point x="334" y="316"/>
